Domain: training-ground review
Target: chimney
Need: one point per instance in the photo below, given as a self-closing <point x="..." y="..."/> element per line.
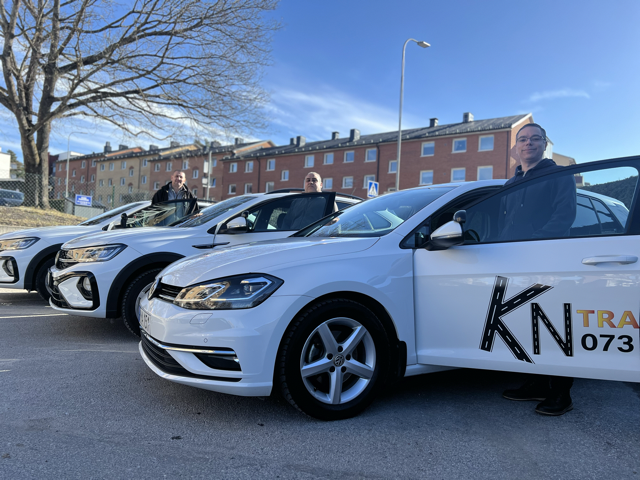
<point x="335" y="135"/>
<point x="467" y="117"/>
<point x="153" y="147"/>
<point x="292" y="141"/>
<point x="174" y="144"/>
<point x="214" y="144"/>
<point x="354" y="135"/>
<point x="122" y="147"/>
<point x="433" y="122"/>
<point x="300" y="141"/>
<point x="107" y="147"/>
<point x="239" y="140"/>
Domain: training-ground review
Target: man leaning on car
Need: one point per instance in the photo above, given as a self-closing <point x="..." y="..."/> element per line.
<point x="546" y="209"/>
<point x="176" y="189"/>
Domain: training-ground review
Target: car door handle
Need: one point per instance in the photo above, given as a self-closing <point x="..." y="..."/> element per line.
<point x="621" y="259"/>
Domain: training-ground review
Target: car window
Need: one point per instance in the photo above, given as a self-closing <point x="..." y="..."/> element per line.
<point x="213" y="211"/>
<point x="375" y="217"/>
<point x="290" y="213"/>
<point x="560" y="205"/>
<point x="160" y="214"/>
<point x="116" y="212"/>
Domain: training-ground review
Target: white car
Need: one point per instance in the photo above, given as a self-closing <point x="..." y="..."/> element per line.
<point x="27" y="255"/>
<point x="393" y="287"/>
<point x="103" y="275"/>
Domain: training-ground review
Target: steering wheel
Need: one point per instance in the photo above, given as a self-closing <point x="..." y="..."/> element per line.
<point x="473" y="234"/>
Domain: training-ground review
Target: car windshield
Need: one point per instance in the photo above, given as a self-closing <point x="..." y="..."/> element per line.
<point x="212" y="212"/>
<point x="109" y="214"/>
<point x="376" y="217"/>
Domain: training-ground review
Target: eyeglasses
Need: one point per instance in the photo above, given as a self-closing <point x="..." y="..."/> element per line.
<point x="310" y="180"/>
<point x="534" y="138"/>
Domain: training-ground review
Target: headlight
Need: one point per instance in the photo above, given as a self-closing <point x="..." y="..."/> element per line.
<point x="230" y="293"/>
<point x="93" y="254"/>
<point x="17" y="243"/>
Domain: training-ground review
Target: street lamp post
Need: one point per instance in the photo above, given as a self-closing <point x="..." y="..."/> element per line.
<point x="423" y="45"/>
<point x="66" y="189"/>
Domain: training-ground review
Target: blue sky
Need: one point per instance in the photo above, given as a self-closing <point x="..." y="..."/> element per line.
<point x="574" y="65"/>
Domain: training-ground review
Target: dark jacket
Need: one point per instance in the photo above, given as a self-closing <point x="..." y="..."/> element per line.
<point x="162" y="195"/>
<point x="546" y="209"/>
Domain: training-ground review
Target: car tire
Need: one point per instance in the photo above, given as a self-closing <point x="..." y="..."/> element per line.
<point x="129" y="305"/>
<point x="41" y="279"/>
<point x="333" y="359"/>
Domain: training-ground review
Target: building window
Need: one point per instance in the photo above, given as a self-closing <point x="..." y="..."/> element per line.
<point x="61" y="167"/>
<point x="426" y="177"/>
<point x="328" y="158"/>
<point x="145" y="162"/>
<point x="73" y="172"/>
<point x="367" y="179"/>
<point x="485" y="173"/>
<point x="269" y="186"/>
<point x="84" y="164"/>
<point x="157" y="167"/>
<point x="371" y="155"/>
<point x="143" y="180"/>
<point x="232" y="189"/>
<point x="131" y="172"/>
<point x="59" y="194"/>
<point x="121" y="181"/>
<point x="123" y="165"/>
<point x="101" y="183"/>
<point x="54" y="169"/>
<point x="93" y="163"/>
<point x="347" y="182"/>
<point x="348" y="157"/>
<point x="81" y="178"/>
<point x="110" y="183"/>
<point x="168" y="166"/>
<point x="485" y="143"/>
<point x="185" y="164"/>
<point x="327" y="183"/>
<point x="271" y="164"/>
<point x="100" y="198"/>
<point x="93" y="177"/>
<point x="120" y="198"/>
<point x="111" y="166"/>
<point x="285" y="175"/>
<point x="213" y="183"/>
<point x="108" y="198"/>
<point x="460" y="145"/>
<point x="91" y="193"/>
<point x="102" y="167"/>
<point x="156" y="185"/>
<point x="248" y="167"/>
<point x="428" y="149"/>
<point x="195" y="192"/>
<point x="130" y="188"/>
<point x="59" y="180"/>
<point x="248" y="188"/>
<point x="214" y="162"/>
<point x="308" y="161"/>
<point x="457" y="174"/>
<point x="73" y="187"/>
<point x="393" y="166"/>
<point x="196" y="173"/>
<point x="233" y="167"/>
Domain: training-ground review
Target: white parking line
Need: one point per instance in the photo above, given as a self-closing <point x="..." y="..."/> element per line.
<point x="43" y="315"/>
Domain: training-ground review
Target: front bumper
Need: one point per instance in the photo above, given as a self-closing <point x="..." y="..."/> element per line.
<point x="9" y="272"/>
<point x="67" y="290"/>
<point x="175" y="341"/>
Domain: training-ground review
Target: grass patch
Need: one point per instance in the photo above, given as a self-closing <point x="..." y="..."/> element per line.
<point x="35" y="217"/>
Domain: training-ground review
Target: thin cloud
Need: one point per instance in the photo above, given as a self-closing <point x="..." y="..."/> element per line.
<point x="563" y="93"/>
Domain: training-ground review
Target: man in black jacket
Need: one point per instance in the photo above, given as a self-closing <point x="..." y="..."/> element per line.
<point x="545" y="209"/>
<point x="176" y="189"/>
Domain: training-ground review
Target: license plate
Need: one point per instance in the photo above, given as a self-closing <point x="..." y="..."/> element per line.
<point x="145" y="318"/>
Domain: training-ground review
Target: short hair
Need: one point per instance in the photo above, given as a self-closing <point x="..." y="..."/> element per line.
<point x="314" y="173"/>
<point x="544" y="134"/>
<point x="179" y="171"/>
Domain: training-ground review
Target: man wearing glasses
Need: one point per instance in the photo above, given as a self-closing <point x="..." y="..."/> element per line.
<point x="546" y="209"/>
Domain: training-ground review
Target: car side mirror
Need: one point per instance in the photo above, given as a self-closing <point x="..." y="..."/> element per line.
<point x="235" y="225"/>
<point x="450" y="234"/>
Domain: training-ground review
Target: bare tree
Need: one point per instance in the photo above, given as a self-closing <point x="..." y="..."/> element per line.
<point x="142" y="65"/>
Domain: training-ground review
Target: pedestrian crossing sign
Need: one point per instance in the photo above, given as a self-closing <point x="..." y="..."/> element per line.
<point x="372" y="189"/>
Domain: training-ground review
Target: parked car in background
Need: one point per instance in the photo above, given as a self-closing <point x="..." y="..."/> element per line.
<point x="11" y="198"/>
<point x="103" y="275"/>
<point x="27" y="255"/>
<point x="408" y="283"/>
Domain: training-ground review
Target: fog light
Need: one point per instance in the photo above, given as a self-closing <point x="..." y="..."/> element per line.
<point x="86" y="284"/>
<point x="8" y="266"/>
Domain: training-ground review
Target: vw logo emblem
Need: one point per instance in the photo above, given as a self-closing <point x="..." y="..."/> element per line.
<point x="338" y="360"/>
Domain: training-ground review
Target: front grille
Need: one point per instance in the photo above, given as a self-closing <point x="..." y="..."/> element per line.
<point x="64" y="259"/>
<point x="167" y="292"/>
<point x="165" y="362"/>
<point x="56" y="296"/>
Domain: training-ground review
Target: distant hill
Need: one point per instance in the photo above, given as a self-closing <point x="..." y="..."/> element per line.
<point x="620" y="189"/>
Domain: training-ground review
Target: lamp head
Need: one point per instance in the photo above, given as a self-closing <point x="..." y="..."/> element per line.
<point x="423" y="44"/>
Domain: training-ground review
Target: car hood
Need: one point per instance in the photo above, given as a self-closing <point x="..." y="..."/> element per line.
<point x="58" y="234"/>
<point x="259" y="257"/>
<point x="131" y="236"/>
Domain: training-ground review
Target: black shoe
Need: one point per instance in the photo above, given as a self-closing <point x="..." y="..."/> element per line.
<point x="536" y="389"/>
<point x="555" y="405"/>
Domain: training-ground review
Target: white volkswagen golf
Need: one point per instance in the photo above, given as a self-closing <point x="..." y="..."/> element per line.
<point x="394" y="287"/>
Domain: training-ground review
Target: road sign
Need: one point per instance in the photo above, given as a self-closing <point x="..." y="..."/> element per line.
<point x="372" y="189"/>
<point x="83" y="200"/>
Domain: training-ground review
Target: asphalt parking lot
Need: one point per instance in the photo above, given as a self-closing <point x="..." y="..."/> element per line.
<point x="77" y="401"/>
